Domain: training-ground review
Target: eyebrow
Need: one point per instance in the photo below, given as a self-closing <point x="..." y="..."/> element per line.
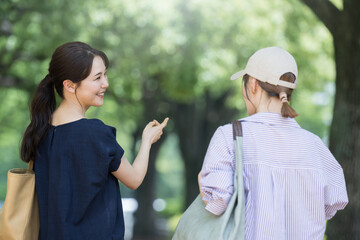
<point x="99" y="73"/>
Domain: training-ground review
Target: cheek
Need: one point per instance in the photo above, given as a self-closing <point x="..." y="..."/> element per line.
<point x="245" y="96"/>
<point x="86" y="93"/>
<point x="90" y="88"/>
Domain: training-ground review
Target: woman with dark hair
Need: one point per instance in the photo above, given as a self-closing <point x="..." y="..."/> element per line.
<point x="77" y="161"/>
<point x="292" y="182"/>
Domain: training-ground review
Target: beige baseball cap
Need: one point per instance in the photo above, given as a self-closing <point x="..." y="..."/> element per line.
<point x="268" y="64"/>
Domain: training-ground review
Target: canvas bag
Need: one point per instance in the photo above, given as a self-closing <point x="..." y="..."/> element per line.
<point x="197" y="223"/>
<point x="19" y="216"/>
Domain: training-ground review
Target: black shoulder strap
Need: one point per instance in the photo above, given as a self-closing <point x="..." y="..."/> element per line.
<point x="237" y="129"/>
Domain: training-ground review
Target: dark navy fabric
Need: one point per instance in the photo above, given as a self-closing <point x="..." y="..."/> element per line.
<point x="78" y="196"/>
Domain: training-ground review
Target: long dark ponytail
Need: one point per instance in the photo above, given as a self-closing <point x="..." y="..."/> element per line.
<point x="41" y="109"/>
<point x="71" y="61"/>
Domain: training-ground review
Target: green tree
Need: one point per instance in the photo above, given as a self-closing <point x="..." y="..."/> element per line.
<point x="219" y="39"/>
<point x="168" y="58"/>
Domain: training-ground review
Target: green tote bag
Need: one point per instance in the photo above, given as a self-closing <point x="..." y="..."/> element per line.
<point x="198" y="224"/>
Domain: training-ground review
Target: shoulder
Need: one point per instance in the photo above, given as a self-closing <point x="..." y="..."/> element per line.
<point x="224" y="131"/>
<point x="96" y="126"/>
<point x="223" y="136"/>
<point x="320" y="145"/>
<point x="312" y="138"/>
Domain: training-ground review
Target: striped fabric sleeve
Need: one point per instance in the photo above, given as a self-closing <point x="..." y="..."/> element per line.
<point x="336" y="197"/>
<point x="217" y="173"/>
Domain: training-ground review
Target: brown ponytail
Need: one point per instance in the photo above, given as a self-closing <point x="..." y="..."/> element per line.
<point x="288" y="111"/>
<point x="72" y="61"/>
<point x="274" y="91"/>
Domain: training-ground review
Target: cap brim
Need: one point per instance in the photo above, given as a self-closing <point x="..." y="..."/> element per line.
<point x="238" y="75"/>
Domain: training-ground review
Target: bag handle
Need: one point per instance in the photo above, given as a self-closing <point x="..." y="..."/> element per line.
<point x="238" y="178"/>
<point x="237" y="129"/>
<point x="31" y="164"/>
<point x="237" y="135"/>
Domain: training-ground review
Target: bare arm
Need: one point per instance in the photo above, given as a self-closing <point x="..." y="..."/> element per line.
<point x="133" y="175"/>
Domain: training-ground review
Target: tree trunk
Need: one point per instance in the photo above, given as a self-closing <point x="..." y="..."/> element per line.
<point x="145" y="216"/>
<point x="145" y="227"/>
<point x="195" y="124"/>
<point x="345" y="128"/>
<point x="344" y="26"/>
<point x="193" y="139"/>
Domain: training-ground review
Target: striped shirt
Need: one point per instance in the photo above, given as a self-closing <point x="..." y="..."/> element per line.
<point x="292" y="181"/>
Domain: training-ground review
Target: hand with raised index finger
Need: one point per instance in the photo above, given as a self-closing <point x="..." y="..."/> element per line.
<point x="154" y="130"/>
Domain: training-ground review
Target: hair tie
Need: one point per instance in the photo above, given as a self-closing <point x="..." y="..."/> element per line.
<point x="50" y="79"/>
<point x="283" y="97"/>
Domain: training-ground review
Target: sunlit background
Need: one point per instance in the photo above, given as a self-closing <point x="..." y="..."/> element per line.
<point x="167" y="58"/>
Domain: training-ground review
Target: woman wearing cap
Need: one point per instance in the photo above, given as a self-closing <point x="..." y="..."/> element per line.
<point x="292" y="182"/>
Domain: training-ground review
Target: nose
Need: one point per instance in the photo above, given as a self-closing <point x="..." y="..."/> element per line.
<point x="105" y="83"/>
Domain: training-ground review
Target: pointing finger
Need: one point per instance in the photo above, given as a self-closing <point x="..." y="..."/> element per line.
<point x="164" y="123"/>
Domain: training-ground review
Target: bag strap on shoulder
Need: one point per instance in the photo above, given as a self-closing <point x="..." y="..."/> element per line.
<point x="237" y="129"/>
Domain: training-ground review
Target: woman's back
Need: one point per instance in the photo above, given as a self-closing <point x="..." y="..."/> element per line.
<point x="292" y="182"/>
<point x="78" y="196"/>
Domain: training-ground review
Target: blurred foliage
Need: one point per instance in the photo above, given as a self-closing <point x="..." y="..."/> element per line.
<point x="194" y="45"/>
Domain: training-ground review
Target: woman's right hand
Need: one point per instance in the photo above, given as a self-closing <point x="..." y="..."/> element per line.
<point x="153" y="131"/>
<point x="132" y="175"/>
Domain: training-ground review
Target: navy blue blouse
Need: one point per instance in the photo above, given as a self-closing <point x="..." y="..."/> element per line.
<point x="78" y="196"/>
